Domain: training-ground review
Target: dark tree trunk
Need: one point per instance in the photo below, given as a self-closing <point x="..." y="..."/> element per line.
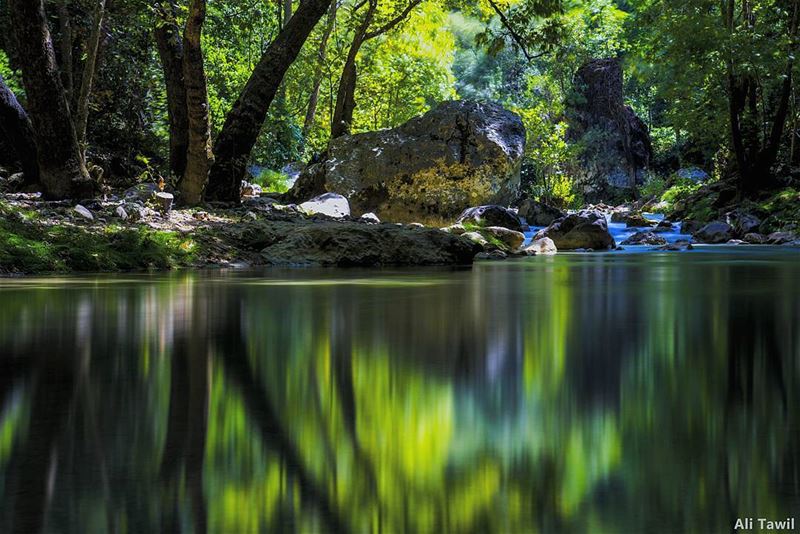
<point x="242" y="125"/>
<point x="322" y="54"/>
<point x="170" y="50"/>
<point x="65" y="25"/>
<point x="61" y="167"/>
<point x="18" y="131"/>
<point x="199" y="158"/>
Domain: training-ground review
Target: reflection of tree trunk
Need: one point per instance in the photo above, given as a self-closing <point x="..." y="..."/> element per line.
<point x="34" y="464"/>
<point x="187" y="426"/>
<point x="263" y="414"/>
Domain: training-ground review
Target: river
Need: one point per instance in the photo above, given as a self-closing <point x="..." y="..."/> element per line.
<point x="634" y="392"/>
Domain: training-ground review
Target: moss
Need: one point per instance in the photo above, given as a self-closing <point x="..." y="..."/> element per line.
<point x="28" y="246"/>
<point x="782" y="209"/>
<point x="491" y="239"/>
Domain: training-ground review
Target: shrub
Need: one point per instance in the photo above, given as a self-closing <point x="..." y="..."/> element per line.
<point x="272" y="181"/>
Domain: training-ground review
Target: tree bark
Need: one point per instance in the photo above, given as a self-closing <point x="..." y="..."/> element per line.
<point x="346" y="95"/>
<point x="170" y="51"/>
<point x="87" y="78"/>
<point x="242" y="125"/>
<point x="322" y="55"/>
<point x="18" y="131"/>
<point x="199" y="156"/>
<point x="61" y="167"/>
<point x="65" y="24"/>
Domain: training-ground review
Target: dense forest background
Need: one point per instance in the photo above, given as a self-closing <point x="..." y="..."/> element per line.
<point x="712" y="80"/>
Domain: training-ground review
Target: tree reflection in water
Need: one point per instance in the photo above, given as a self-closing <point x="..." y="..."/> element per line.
<point x="627" y="393"/>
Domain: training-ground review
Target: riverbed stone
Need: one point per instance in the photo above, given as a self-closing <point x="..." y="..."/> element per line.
<point x="645" y="238"/>
<point x="476" y="238"/>
<point x="510" y="239"/>
<point x="714" y="232"/>
<point x="370" y="218"/>
<point x="330" y="204"/>
<point x="742" y="222"/>
<point x="781" y="238"/>
<point x="542" y="247"/>
<point x="491" y="255"/>
<point x="491" y="215"/>
<point x="677" y="246"/>
<point x="755" y="238"/>
<point x="83" y="212"/>
<point x="690" y="227"/>
<point x="583" y="230"/>
<point x="366" y="245"/>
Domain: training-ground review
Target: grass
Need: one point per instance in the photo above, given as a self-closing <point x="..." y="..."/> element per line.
<point x="28" y="246"/>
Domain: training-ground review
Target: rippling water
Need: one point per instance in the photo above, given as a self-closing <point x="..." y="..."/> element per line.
<point x="610" y="393"/>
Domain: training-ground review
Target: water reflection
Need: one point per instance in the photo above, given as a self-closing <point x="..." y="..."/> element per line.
<point x="635" y="393"/>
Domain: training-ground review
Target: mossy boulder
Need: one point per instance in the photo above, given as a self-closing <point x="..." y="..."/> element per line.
<point x="430" y="169"/>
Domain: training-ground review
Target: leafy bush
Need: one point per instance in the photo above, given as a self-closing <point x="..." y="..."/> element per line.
<point x="272" y="181"/>
<point x="679" y="191"/>
<point x="654" y="187"/>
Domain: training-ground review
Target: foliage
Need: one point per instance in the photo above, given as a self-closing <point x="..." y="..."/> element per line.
<point x="273" y="181"/>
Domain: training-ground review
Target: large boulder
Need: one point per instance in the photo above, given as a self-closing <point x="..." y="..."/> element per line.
<point x="618" y="149"/>
<point x="429" y="169"/>
<point x="357" y="244"/>
<point x="491" y="216"/>
<point x="583" y="230"/>
<point x="538" y="213"/>
<point x="714" y="233"/>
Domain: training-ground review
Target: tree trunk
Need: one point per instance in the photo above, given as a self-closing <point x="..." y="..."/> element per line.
<point x="345" y="96"/>
<point x="18" y="131"/>
<point x="65" y="24"/>
<point x="242" y="125"/>
<point x="61" y="167"/>
<point x="199" y="156"/>
<point x="87" y="78"/>
<point x="170" y="51"/>
<point x="322" y="55"/>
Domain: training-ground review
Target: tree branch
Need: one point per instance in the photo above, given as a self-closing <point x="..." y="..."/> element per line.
<point x="514" y="35"/>
<point x="394" y="22"/>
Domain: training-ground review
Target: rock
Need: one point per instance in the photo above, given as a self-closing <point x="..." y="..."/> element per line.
<point x="645" y="238"/>
<point x="353" y="244"/>
<point x="585" y="229"/>
<point x="491" y="216"/>
<point x="714" y="232"/>
<point x="663" y="226"/>
<point x="736" y="242"/>
<point x="456" y="229"/>
<point x="511" y="239"/>
<point x="164" y="201"/>
<point x="538" y="214"/>
<point x="691" y="227"/>
<point x="677" y="246"/>
<point x="251" y="215"/>
<point x="429" y="169"/>
<point x="492" y="255"/>
<point x="618" y="146"/>
<point x="251" y="190"/>
<point x="259" y="203"/>
<point x="755" y="238"/>
<point x="137" y="212"/>
<point x="370" y="218"/>
<point x="121" y="213"/>
<point x="83" y="212"/>
<point x="140" y="192"/>
<point x="200" y="215"/>
<point x="415" y="225"/>
<point x="542" y="247"/>
<point x="781" y="238"/>
<point x="637" y="220"/>
<point x="694" y="174"/>
<point x="742" y="222"/>
<point x="330" y="204"/>
<point x="476" y="238"/>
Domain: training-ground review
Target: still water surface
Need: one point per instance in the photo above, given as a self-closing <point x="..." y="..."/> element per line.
<point x="578" y="393"/>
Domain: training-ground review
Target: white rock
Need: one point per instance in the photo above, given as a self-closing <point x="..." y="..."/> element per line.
<point x="542" y="247"/>
<point x="370" y="218"/>
<point x="329" y="204"/>
<point x="83" y="212"/>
